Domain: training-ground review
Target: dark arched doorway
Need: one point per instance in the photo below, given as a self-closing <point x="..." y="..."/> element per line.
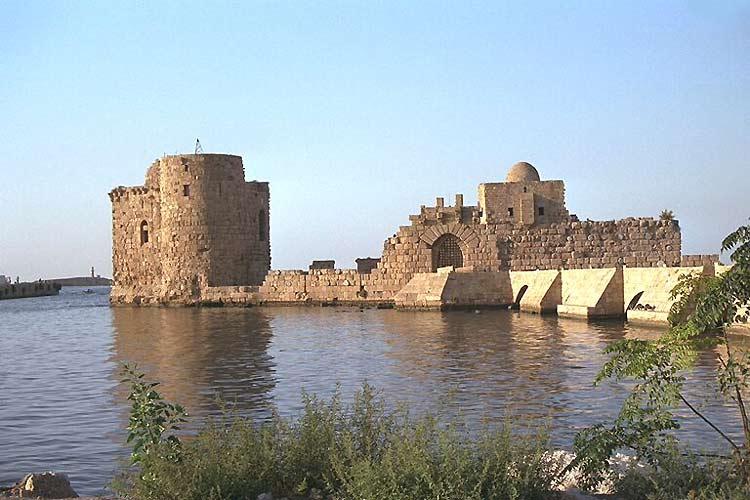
<point x="446" y="251"/>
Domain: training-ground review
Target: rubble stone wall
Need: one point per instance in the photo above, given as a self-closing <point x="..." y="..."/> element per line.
<point x="136" y="263"/>
<point x="634" y="242"/>
<point x="317" y="285"/>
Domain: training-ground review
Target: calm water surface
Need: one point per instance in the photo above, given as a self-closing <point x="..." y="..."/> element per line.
<point x="62" y="409"/>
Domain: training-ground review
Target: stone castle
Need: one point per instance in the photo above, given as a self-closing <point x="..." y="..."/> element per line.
<point x="194" y="224"/>
<point x="522" y="224"/>
<point x="197" y="233"/>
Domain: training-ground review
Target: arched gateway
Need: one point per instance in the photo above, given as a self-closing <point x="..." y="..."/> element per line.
<point x="446" y="251"/>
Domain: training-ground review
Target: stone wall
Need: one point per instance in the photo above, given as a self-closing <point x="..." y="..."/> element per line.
<point x="230" y="295"/>
<point x="451" y="289"/>
<point x="642" y="242"/>
<point x="136" y="237"/>
<point x="28" y="289"/>
<point x="537" y="291"/>
<point x="698" y="260"/>
<point x="592" y="293"/>
<point x="316" y="286"/>
<point x="646" y="291"/>
<point x="325" y="285"/>
<point x="284" y="286"/>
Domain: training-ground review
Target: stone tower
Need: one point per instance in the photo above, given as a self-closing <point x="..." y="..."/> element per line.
<point x="523" y="198"/>
<point x="194" y="224"/>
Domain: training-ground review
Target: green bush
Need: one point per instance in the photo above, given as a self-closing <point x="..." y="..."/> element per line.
<point x="704" y="308"/>
<point x="677" y="475"/>
<point x="362" y="451"/>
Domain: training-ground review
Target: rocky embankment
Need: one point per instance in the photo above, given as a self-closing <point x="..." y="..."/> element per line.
<point x="44" y="485"/>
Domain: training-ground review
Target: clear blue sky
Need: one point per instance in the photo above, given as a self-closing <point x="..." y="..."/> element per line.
<point x="359" y="112"/>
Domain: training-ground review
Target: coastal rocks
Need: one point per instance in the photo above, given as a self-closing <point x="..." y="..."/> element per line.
<point x="44" y="485"/>
<point x="569" y="484"/>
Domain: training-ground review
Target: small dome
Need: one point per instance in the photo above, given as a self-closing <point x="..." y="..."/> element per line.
<point x="522" y="172"/>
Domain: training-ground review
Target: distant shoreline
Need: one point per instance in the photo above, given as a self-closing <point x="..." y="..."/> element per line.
<point x="83" y="281"/>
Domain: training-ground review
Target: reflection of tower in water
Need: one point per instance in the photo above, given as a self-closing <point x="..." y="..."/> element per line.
<point x="200" y="354"/>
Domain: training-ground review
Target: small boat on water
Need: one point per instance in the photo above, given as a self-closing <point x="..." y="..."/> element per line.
<point x="88" y="291"/>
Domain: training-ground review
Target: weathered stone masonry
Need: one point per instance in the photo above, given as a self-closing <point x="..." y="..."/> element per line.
<point x="521" y="224"/>
<point x="194" y="224"/>
<point x="196" y="232"/>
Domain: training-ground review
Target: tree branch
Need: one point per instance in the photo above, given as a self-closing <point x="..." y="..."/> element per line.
<point x="740" y="402"/>
<point x="694" y="410"/>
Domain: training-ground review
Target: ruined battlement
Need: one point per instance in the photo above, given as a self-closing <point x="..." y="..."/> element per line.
<point x="121" y="192"/>
<point x="698" y="260"/>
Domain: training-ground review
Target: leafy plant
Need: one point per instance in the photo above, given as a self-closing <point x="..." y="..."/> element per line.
<point x="667" y="215"/>
<point x="704" y="307"/>
<point x="152" y="421"/>
<point x="362" y="451"/>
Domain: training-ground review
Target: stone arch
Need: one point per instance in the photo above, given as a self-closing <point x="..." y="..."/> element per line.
<point x="447" y="251"/>
<point x="464" y="233"/>
<point x="521" y="292"/>
<point x="634" y="301"/>
<point x="469" y="242"/>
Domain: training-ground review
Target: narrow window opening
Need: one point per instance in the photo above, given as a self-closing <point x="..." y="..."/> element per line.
<point x="144" y="232"/>
<point x="525" y="189"/>
<point x="262" y="226"/>
<point x="541" y="210"/>
<point x="510" y="211"/>
<point x="186" y="167"/>
<point x="186" y="190"/>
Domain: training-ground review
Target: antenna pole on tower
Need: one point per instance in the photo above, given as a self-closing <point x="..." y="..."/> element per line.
<point x="198" y="147"/>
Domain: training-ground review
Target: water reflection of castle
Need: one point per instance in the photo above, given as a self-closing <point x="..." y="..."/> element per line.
<point x="225" y="355"/>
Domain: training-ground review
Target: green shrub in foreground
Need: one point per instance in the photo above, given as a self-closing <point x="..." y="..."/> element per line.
<point x="358" y="452"/>
<point x="677" y="476"/>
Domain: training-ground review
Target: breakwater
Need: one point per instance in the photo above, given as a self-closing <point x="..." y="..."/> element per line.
<point x="29" y="289"/>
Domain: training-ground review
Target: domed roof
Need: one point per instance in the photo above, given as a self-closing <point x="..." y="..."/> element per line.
<point x="522" y="172"/>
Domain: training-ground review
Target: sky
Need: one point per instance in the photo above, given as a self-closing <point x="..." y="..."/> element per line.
<point x="357" y="113"/>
